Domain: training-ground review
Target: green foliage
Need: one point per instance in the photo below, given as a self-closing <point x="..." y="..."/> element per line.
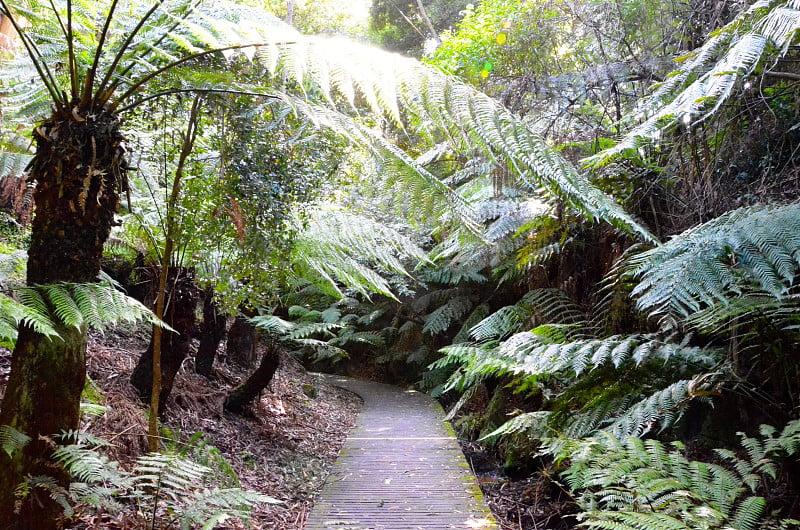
<point x="709" y="76"/>
<point x="491" y="39"/>
<point x="538" y="305"/>
<point x="338" y="248"/>
<point x="400" y="27"/>
<point x="92" y="304"/>
<point x="326" y="335"/>
<point x="643" y="484"/>
<point x="745" y="250"/>
<point x="44" y="307"/>
<point x="11" y="440"/>
<point x="170" y="489"/>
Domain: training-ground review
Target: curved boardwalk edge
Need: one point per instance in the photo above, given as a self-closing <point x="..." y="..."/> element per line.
<point x="400" y="468"/>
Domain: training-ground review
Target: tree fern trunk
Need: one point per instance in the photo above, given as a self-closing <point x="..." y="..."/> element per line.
<point x="212" y="331"/>
<point x="183" y="295"/>
<point x="242" y="395"/>
<point x="241" y="345"/>
<point x="78" y="165"/>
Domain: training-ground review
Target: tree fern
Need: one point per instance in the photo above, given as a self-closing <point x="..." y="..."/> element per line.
<point x="388" y="83"/>
<point x="753" y="247"/>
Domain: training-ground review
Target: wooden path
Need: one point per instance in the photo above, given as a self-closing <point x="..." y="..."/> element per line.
<point x="400" y="469"/>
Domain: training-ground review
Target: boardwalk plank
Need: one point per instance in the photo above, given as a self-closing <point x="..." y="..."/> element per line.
<point x="400" y="469"/>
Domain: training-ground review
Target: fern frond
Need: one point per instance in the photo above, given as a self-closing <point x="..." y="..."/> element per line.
<point x="632" y="521"/>
<point x="542" y="305"/>
<point x="748" y="513"/>
<point x="340" y="248"/>
<point x="86" y="465"/>
<point x="309" y="329"/>
<point x="752" y="247"/>
<point x="86" y="304"/>
<point x="167" y="473"/>
<point x="272" y="325"/>
<point x="443" y="106"/>
<point x="476" y="363"/>
<point x="525" y="423"/>
<point x="475" y="317"/>
<point x="210" y="507"/>
<point x="534" y="353"/>
<point x="452" y="275"/>
<point x="372" y="338"/>
<point x="11" y="440"/>
<point x="440" y="319"/>
<point x="12" y="313"/>
<point x="663" y="408"/>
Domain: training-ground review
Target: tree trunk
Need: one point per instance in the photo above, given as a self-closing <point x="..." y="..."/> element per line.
<point x="15" y="198"/>
<point x="78" y="165"/>
<point x="241" y="347"/>
<point x="245" y="393"/>
<point x="212" y="331"/>
<point x="433" y="34"/>
<point x="182" y="295"/>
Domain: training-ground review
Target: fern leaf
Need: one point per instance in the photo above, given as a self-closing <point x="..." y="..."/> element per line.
<point x="444" y="316"/>
<point x="523" y="423"/>
<point x="711" y="263"/>
<point x="11" y="440"/>
<point x="748" y="513"/>
<point x="272" y="324"/>
<point x="663" y="408"/>
<point x="633" y="521"/>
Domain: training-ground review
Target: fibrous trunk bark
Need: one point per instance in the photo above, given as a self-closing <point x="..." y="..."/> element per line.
<point x="77" y="168"/>
<point x="241" y="347"/>
<point x="182" y="295"/>
<point x="245" y="393"/>
<point x="212" y="331"/>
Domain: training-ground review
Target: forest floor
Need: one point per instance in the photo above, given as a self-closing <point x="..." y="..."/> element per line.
<point x="283" y="447"/>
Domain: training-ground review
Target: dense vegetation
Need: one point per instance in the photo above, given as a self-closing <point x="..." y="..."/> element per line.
<point x="576" y="222"/>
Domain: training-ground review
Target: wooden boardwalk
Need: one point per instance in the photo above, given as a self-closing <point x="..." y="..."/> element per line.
<point x="400" y="469"/>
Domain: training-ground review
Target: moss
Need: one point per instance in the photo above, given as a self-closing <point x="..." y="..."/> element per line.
<point x="310" y="390"/>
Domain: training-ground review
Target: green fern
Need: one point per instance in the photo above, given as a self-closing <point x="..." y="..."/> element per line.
<point x="639" y="484"/>
<point x="337" y="248"/>
<point x="536" y="352"/>
<point x="387" y="83"/>
<point x="94" y="305"/>
<point x="441" y="318"/>
<point x="11" y="440"/>
<point x="745" y="249"/>
<point x="537" y="306"/>
<point x="169" y="487"/>
<point x="13" y="313"/>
